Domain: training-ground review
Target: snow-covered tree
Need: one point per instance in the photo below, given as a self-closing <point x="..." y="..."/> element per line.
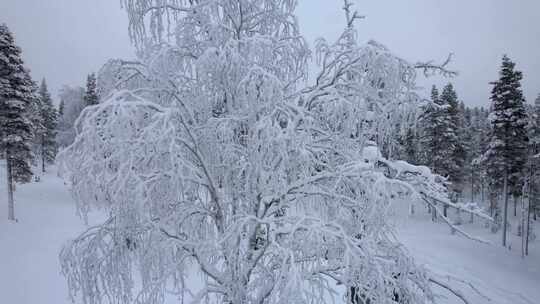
<point x="212" y="156"/>
<point x="91" y="96"/>
<point x="534" y="155"/>
<point x="533" y="189"/>
<point x="507" y="152"/>
<point x="72" y="102"/>
<point x="49" y="116"/>
<point x="16" y="97"/>
<point x="440" y="139"/>
<point x="453" y="137"/>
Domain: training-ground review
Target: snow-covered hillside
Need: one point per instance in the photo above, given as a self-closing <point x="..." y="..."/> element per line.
<point x="499" y="275"/>
<point x="30" y="271"/>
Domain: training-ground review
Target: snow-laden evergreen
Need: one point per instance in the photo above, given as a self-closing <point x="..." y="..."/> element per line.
<point x="507" y="151"/>
<point x="16" y="98"/>
<point x="442" y="147"/>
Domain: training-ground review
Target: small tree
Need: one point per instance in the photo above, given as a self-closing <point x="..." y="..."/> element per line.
<point x="507" y="152"/>
<point x="15" y="101"/>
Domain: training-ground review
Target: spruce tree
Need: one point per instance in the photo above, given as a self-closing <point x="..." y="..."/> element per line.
<point x="534" y="157"/>
<point x="91" y="95"/>
<point x="440" y="138"/>
<point x="431" y="129"/>
<point x="507" y="151"/>
<point x="49" y="120"/>
<point x="15" y="127"/>
<point x="451" y="137"/>
<point x="533" y="206"/>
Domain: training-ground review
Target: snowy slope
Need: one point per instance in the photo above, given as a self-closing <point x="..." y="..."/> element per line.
<point x="500" y="275"/>
<point x="30" y="273"/>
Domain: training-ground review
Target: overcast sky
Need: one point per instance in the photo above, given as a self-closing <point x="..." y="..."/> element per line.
<point x="63" y="40"/>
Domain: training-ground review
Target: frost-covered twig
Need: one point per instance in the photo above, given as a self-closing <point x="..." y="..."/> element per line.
<point x="430" y="68"/>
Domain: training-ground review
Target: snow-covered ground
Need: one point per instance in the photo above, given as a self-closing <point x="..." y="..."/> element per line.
<point x="30" y="271"/>
<point x="500" y="275"/>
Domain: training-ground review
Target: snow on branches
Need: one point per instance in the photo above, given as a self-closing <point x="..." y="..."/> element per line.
<point x="211" y="157"/>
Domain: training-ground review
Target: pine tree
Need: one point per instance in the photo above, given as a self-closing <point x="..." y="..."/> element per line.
<point x="454" y="125"/>
<point x="440" y="138"/>
<point x="49" y="120"/>
<point x="466" y="134"/>
<point x="534" y="157"/>
<point x="431" y="129"/>
<point x="15" y="127"/>
<point x="533" y="202"/>
<point x="507" y="152"/>
<point x="91" y="95"/>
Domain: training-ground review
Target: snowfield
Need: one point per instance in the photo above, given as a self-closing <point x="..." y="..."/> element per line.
<point x="30" y="271"/>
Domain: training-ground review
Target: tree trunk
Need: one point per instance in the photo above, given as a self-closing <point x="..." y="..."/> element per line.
<point x="515" y="205"/>
<point x="505" y="211"/>
<point x="472" y="185"/>
<point x="434" y="214"/>
<point x="529" y="198"/>
<point x="528" y="226"/>
<point x="9" y="179"/>
<point x="445" y="211"/>
<point x="523" y="226"/>
<point x="482" y="192"/>
<point x="43" y="154"/>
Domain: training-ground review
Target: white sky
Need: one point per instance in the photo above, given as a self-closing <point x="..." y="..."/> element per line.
<point x="63" y="40"/>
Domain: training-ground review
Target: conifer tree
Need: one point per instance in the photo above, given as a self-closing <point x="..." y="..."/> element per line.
<point x="533" y="202"/>
<point x="440" y="138"/>
<point x="49" y="118"/>
<point x="91" y="95"/>
<point x="431" y="128"/>
<point x="451" y="136"/>
<point x="534" y="157"/>
<point x="507" y="151"/>
<point x="15" y="128"/>
<point x="466" y="134"/>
